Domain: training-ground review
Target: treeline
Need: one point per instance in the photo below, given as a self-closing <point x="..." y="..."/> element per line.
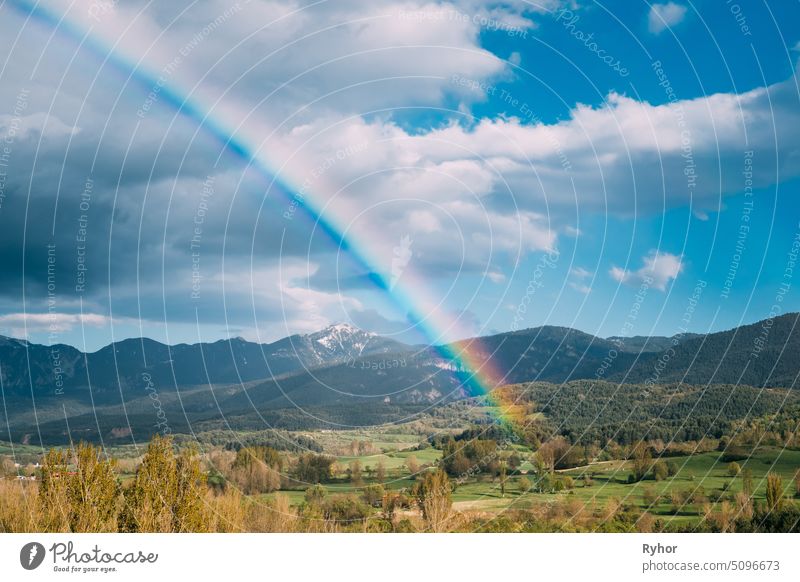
<point x="312" y="417"/>
<point x="779" y="429"/>
<point x="275" y="439"/>
<point x="587" y="412"/>
<point x="79" y="491"/>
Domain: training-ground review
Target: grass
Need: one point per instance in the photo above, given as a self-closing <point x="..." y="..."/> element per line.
<point x="703" y="473"/>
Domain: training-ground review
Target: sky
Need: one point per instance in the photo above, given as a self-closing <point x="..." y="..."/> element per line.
<point x="423" y="170"/>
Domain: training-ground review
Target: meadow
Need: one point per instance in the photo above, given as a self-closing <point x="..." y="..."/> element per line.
<point x="449" y="471"/>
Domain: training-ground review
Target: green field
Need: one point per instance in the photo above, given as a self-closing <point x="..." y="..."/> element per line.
<point x="704" y="475"/>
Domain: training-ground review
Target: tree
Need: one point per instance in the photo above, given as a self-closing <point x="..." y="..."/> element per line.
<point x="524" y="485"/>
<point x="149" y="501"/>
<point x="649" y="496"/>
<point x="373" y="495"/>
<point x="167" y="492"/>
<point x="412" y="464"/>
<point x="545" y="459"/>
<point x="433" y="495"/>
<point x="469" y="456"/>
<point x="315" y="494"/>
<point x="93" y="492"/>
<point x="53" y="492"/>
<point x="797" y="483"/>
<point x="85" y="500"/>
<point x="641" y="461"/>
<point x="249" y="456"/>
<point x="734" y="469"/>
<point x="774" y="492"/>
<point x="344" y="509"/>
<point x="544" y="482"/>
<point x="538" y="464"/>
<point x="660" y="470"/>
<point x="672" y="468"/>
<point x="557" y="453"/>
<point x="747" y="481"/>
<point x="7" y="466"/>
<point x="391" y="503"/>
<point x="256" y="477"/>
<point x="355" y="473"/>
<point x="191" y="487"/>
<point x="380" y="472"/>
<point x="312" y="468"/>
<point x="502" y="479"/>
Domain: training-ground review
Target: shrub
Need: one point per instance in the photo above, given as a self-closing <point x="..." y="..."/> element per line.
<point x="660" y="470"/>
<point x="735" y="454"/>
<point x="344" y="509"/>
<point x="523" y="485"/>
<point x="433" y="493"/>
<point x="373" y="495"/>
<point x="315" y="494"/>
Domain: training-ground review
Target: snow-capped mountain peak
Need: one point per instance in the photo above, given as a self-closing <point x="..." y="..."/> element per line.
<point x="342" y="336"/>
<point x="342" y="341"/>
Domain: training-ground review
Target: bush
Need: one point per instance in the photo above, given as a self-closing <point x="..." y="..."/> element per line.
<point x="524" y="485"/>
<point x="311" y="468"/>
<point x="734" y="454"/>
<point x="344" y="509"/>
<point x="660" y="470"/>
<point x="373" y="495"/>
<point x="315" y="494"/>
<point x="785" y="520"/>
<point x="649" y="496"/>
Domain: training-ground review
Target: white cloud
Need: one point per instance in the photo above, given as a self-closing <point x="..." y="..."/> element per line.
<point x="658" y="271"/>
<point x="349" y="54"/>
<point x="580" y="273"/>
<point x="580" y="287"/>
<point x="13" y="127"/>
<point x="629" y="154"/>
<point x="663" y="16"/>
<point x="496" y="277"/>
<point x="465" y="192"/>
<point x="22" y="324"/>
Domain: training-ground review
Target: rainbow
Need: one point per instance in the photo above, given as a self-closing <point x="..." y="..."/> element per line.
<point x="477" y="374"/>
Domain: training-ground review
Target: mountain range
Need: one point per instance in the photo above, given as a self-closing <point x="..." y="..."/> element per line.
<point x="344" y="376"/>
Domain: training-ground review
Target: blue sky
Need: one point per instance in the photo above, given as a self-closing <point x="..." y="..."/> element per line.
<point x="459" y="144"/>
